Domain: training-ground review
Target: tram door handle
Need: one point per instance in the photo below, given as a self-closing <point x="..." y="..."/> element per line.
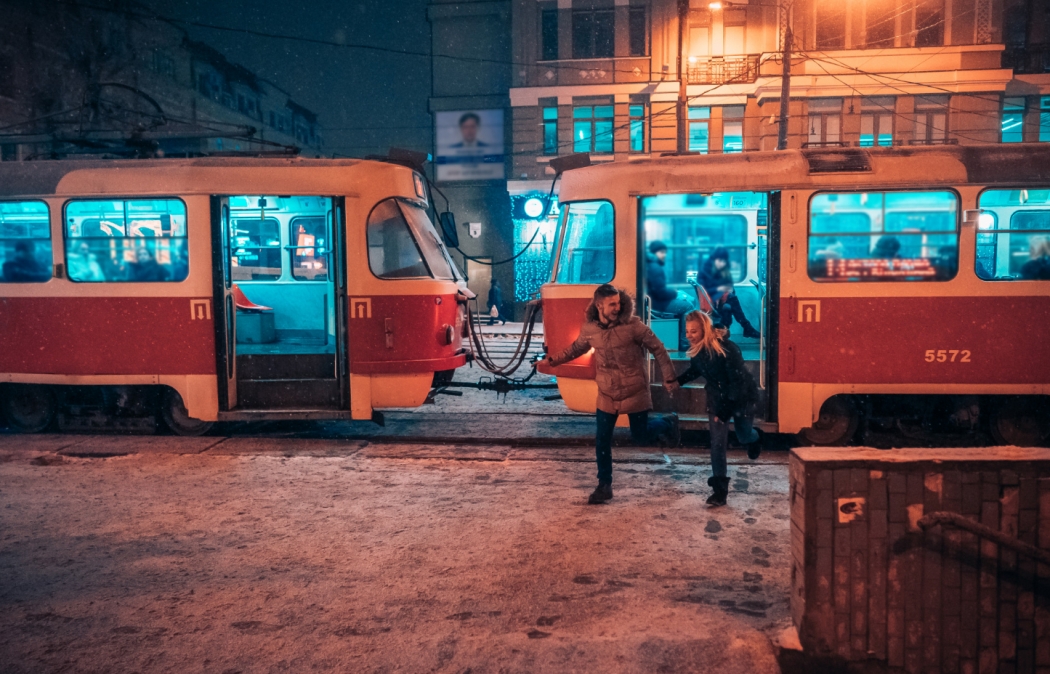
<point x="388" y="328"/>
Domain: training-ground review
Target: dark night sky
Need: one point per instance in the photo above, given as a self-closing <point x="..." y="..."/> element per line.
<point x="366" y="100"/>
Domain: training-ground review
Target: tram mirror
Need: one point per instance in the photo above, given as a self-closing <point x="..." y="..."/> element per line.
<point x="448" y="229"/>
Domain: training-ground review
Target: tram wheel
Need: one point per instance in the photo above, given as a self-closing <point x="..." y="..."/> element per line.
<point x="836" y="425"/>
<point x="1022" y="421"/>
<point x="175" y="416"/>
<point x="28" y="408"/>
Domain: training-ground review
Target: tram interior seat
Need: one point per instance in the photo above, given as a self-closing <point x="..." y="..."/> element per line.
<point x="255" y="322"/>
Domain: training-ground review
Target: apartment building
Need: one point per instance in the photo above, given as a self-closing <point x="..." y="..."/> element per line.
<point x="115" y="80"/>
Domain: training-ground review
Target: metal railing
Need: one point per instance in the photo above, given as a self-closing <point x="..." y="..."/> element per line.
<point x="720" y="70"/>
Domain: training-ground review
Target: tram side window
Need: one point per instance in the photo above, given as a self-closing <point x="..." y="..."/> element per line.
<point x="132" y="241"/>
<point x="1013" y="235"/>
<point x="392" y="251"/>
<point x="588" y="251"/>
<point x="883" y="236"/>
<point x="311" y="248"/>
<point x="25" y="242"/>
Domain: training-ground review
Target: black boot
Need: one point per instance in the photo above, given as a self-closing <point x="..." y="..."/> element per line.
<point x="672" y="437"/>
<point x="720" y="485"/>
<point x="601" y="494"/>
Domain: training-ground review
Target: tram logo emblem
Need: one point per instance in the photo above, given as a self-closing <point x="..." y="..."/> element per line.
<point x="809" y="311"/>
<point x="360" y="307"/>
<point x="200" y="310"/>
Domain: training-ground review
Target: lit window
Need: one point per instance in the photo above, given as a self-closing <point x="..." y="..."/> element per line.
<point x="637" y="119"/>
<point x="733" y="129"/>
<point x="550" y="130"/>
<point x="1013" y="237"/>
<point x="592" y="129"/>
<point x="140" y="241"/>
<point x="876" y="121"/>
<point x="883" y="236"/>
<point x="25" y="242"/>
<point x="1013" y="120"/>
<point x="699" y="121"/>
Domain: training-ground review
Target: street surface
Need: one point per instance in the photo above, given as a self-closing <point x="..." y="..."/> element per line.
<point x="291" y="554"/>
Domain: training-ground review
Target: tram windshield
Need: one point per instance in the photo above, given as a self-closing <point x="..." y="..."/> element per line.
<point x="588" y="251"/>
<point x="402" y="243"/>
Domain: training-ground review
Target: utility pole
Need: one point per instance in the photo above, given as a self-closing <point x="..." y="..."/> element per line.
<point x="683" y="80"/>
<point x="785" y="81"/>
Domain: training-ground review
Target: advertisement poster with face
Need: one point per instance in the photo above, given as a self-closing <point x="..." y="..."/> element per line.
<point x="469" y="145"/>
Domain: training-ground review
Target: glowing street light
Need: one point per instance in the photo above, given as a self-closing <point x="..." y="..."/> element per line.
<point x="715" y="6"/>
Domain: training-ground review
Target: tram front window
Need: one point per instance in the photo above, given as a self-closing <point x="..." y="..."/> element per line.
<point x="588" y="251"/>
<point x="402" y="243"/>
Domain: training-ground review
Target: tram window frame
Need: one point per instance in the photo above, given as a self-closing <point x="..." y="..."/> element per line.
<point x="565" y="231"/>
<point x="174" y="243"/>
<point x="947" y="270"/>
<point x="276" y="223"/>
<point x="321" y="250"/>
<point x="995" y="232"/>
<point x="9" y="246"/>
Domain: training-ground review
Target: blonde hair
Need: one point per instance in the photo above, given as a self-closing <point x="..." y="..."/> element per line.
<point x="711" y="337"/>
<point x="1039" y="246"/>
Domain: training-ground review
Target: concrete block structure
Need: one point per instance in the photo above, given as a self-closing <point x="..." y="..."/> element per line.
<point x="870" y="583"/>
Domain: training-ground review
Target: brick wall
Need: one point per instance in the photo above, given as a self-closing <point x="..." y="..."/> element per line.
<point x="867" y="583"/>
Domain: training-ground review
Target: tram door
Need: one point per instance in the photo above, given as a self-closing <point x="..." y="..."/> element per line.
<point x="283" y="296"/>
<point x="225" y="305"/>
<point x="719" y="243"/>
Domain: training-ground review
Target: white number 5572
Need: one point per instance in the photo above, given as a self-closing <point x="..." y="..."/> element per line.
<point x="947" y="356"/>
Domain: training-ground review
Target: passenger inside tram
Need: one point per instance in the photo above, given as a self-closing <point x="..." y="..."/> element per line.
<point x="25" y="242"/>
<point x="1013" y="235"/>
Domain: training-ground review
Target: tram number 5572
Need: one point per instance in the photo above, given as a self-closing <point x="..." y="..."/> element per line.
<point x="947" y="356"/>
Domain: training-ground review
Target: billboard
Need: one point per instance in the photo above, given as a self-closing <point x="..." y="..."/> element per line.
<point x="469" y="145"/>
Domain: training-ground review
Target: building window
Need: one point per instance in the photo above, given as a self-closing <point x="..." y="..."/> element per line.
<point x="1013" y="235"/>
<point x="830" y="16"/>
<point x="825" y="122"/>
<point x="733" y="129"/>
<point x="550" y="130"/>
<point x="140" y="241"/>
<point x="1044" y="119"/>
<point x="881" y="21"/>
<point x="699" y="129"/>
<point x="549" y="34"/>
<point x="592" y="34"/>
<point x="883" y="236"/>
<point x="931" y="120"/>
<point x="876" y="121"/>
<point x="1013" y="119"/>
<point x="637" y="32"/>
<point x="592" y="129"/>
<point x="733" y="27"/>
<point x="638" y="119"/>
<point x="929" y="23"/>
<point x="25" y="242"/>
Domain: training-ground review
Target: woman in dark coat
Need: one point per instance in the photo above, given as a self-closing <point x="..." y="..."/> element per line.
<point x="495" y="301"/>
<point x="717" y="279"/>
<point x="731" y="394"/>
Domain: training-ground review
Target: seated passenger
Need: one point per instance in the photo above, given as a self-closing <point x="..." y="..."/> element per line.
<point x="145" y="268"/>
<point x="83" y="264"/>
<point x="25" y="267"/>
<point x="887" y="248"/>
<point x="664" y="299"/>
<point x="716" y="277"/>
<point x="1038" y="266"/>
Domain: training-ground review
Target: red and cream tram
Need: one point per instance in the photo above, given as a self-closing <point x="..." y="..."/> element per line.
<point x="221" y="289"/>
<point x="900" y="286"/>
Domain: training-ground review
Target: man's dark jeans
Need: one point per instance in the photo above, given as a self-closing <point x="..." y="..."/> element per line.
<point x="643" y="432"/>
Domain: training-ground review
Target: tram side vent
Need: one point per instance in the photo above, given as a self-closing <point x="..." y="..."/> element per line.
<point x="837" y="161"/>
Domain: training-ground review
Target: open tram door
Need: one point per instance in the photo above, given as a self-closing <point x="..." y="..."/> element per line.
<point x="712" y="247"/>
<point x="280" y="291"/>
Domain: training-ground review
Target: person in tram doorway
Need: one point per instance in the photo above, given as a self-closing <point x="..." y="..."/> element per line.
<point x="716" y="277"/>
<point x="665" y="300"/>
<point x="495" y="303"/>
<point x="620" y="340"/>
<point x="731" y="394"/>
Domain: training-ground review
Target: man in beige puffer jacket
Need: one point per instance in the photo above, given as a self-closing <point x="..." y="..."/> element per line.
<point x="620" y="340"/>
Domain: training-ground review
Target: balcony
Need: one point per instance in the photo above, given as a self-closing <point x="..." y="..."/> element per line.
<point x="722" y="70"/>
<point x="1033" y="59"/>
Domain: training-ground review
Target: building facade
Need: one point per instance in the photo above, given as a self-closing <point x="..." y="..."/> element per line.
<point x="115" y="80"/>
<point x="602" y="76"/>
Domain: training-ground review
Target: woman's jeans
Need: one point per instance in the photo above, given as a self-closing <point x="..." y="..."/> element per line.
<point x="643" y="431"/>
<point x="745" y="434"/>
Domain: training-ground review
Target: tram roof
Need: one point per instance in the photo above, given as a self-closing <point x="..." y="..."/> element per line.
<point x="1019" y="164"/>
<point x="43" y="177"/>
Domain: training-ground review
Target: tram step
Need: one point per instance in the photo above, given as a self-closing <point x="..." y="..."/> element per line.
<point x="284" y="393"/>
<point x="286" y="366"/>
